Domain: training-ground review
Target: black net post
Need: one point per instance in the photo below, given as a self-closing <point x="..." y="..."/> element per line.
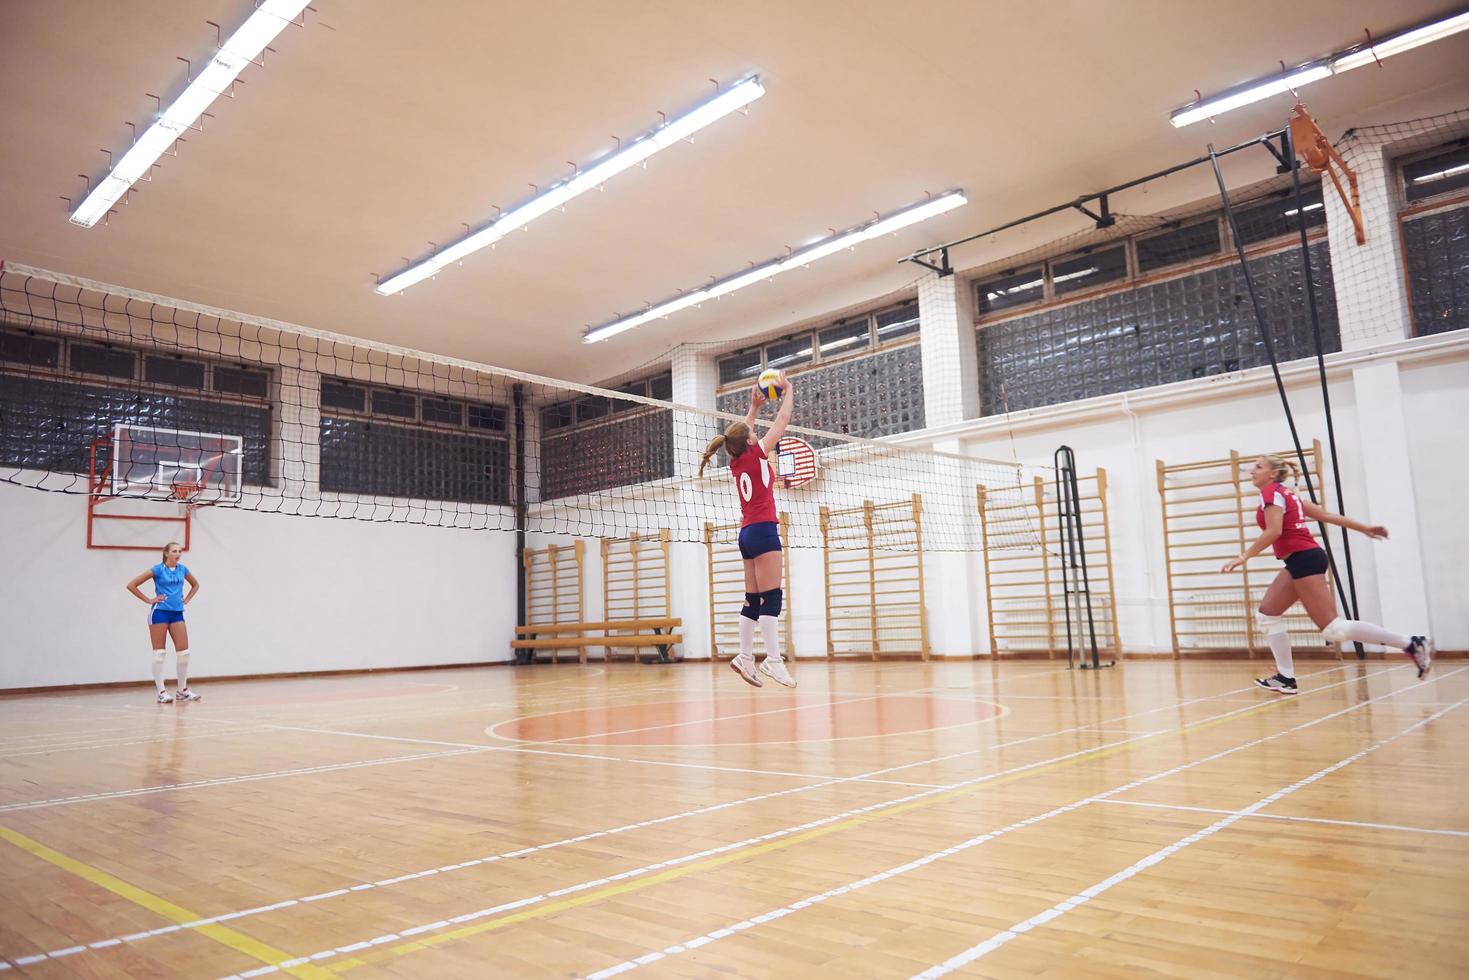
<point x="1269" y="343"/>
<point x="1309" y="278"/>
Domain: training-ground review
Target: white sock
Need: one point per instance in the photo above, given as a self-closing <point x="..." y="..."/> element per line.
<point x="770" y="630"/>
<point x="183" y="659"/>
<point x="1285" y="661"/>
<point x="158" y="670"/>
<point x="1372" y="633"/>
<point x="747" y="636"/>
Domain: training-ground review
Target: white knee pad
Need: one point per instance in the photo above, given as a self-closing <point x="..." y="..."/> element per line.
<point x="181" y="655"/>
<point x="158" y="656"/>
<point x="1337" y="630"/>
<point x="1270" y="625"/>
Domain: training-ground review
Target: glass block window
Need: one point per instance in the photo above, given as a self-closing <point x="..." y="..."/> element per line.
<point x="557" y="416"/>
<point x="174" y="371"/>
<point x="1445" y="172"/>
<point x="632" y="447"/>
<point x="1436" y="254"/>
<point x="790" y="353"/>
<point x="1276" y="216"/>
<point x="1089" y="270"/>
<point x="492" y="418"/>
<point x="341" y="395"/>
<point x="443" y="411"/>
<point x="1190" y="327"/>
<point x="51" y="422"/>
<point x="1010" y="289"/>
<point x="241" y="381"/>
<point x="1189" y="243"/>
<point x="846" y="338"/>
<point x="591" y="407"/>
<point x="744" y="365"/>
<point x="363" y="456"/>
<point x="394" y="404"/>
<point x="30" y="350"/>
<point x="111" y="362"/>
<point x="898" y="322"/>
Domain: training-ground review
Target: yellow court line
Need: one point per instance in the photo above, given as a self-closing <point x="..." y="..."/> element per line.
<point x="637" y="885"/>
<point x="237" y="941"/>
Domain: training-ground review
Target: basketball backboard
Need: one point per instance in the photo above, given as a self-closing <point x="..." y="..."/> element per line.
<point x="207" y="467"/>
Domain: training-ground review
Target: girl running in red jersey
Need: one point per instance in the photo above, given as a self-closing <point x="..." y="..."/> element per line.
<point x="1283" y="518"/>
<point x="749" y="464"/>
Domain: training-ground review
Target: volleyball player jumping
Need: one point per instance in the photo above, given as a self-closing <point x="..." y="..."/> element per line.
<point x="1282" y="517"/>
<point x="749" y="464"/>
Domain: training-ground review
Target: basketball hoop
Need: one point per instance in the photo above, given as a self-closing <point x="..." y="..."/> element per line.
<point x="187" y="492"/>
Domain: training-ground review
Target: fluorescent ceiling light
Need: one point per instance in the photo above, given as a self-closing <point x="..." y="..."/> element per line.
<point x="1314" y="71"/>
<point x="243" y="47"/>
<point x="1407" y="40"/>
<point x="1251" y="92"/>
<point x="730" y="100"/>
<point x="1077" y="275"/>
<point x="807" y="255"/>
<point x="1309" y="207"/>
<point x="1441" y="174"/>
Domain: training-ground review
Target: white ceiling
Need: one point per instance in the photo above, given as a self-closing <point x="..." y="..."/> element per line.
<point x="383" y="125"/>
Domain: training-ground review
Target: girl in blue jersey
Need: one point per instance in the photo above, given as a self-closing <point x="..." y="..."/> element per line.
<point x="167" y="617"/>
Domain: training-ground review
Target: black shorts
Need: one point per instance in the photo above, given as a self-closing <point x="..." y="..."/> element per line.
<point x="1301" y="564"/>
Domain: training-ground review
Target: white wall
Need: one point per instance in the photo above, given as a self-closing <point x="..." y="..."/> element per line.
<point x="1199" y="420"/>
<point x="279" y="594"/>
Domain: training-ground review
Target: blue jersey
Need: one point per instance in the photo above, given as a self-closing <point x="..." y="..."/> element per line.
<point x="169" y="583"/>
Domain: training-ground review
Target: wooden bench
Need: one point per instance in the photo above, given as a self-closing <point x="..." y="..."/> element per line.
<point x="657" y="633"/>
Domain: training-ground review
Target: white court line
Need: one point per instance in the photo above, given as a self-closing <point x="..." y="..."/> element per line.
<point x="779" y="913"/>
<point x="120" y="743"/>
<point x="1086" y="895"/>
<point x="252" y="777"/>
<point x="225" y="780"/>
<point x="532" y="849"/>
<point x="784" y="832"/>
<point x="829" y="703"/>
<point x="599" y="758"/>
<point x="1280" y="816"/>
<point x="139" y="936"/>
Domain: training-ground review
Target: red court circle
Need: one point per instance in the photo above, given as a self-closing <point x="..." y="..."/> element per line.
<point x="764" y="717"/>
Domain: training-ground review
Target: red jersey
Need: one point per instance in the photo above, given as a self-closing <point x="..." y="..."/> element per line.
<point x="1295" y="532"/>
<point x="753" y="478"/>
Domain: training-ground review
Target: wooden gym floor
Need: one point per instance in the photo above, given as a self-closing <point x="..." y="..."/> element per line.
<point x="884" y="820"/>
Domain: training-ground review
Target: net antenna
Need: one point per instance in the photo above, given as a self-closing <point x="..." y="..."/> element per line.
<point x="1321" y="158"/>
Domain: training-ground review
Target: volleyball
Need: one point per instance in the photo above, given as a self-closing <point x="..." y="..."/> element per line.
<point x="771" y="384"/>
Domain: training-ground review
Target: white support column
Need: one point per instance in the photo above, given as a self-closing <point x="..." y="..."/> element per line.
<point x="695" y="380"/>
<point x="1402" y="603"/>
<point x="950" y="371"/>
<point x="1371" y="292"/>
<point x="952" y="579"/>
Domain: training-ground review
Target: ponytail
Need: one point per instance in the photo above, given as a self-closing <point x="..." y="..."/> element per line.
<point x="715" y="445"/>
<point x="736" y="440"/>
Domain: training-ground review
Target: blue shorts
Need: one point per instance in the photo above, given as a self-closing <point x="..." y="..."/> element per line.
<point x="162" y="617"/>
<point x="758" y="539"/>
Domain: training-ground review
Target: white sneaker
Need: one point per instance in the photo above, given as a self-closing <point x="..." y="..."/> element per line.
<point x="744" y="665"/>
<point x="165" y="698"/>
<point x="775" y="669"/>
<point x="185" y="694"/>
